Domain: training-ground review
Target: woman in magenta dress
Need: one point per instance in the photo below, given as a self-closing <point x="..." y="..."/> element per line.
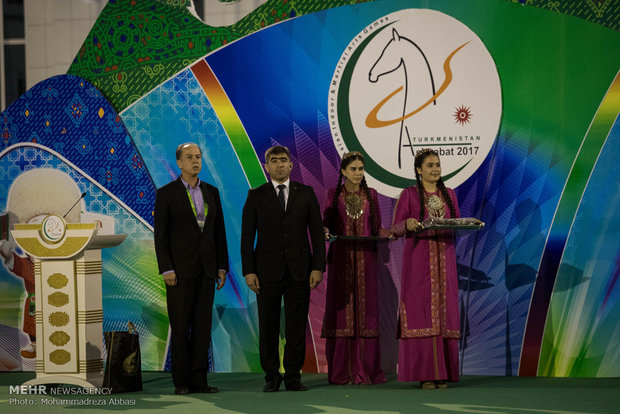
<point x="428" y="308"/>
<point x="351" y="321"/>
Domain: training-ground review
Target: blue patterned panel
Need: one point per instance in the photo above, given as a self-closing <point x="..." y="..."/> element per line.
<point x="71" y="117"/>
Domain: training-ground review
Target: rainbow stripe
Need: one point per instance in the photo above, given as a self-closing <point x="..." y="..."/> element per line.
<point x="560" y="228"/>
<point x="231" y="123"/>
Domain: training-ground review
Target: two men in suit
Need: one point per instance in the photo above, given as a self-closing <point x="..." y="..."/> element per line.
<point x="279" y="215"/>
<point x="192" y="256"/>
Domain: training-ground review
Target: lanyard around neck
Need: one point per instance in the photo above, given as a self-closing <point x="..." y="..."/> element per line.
<point x="191" y="201"/>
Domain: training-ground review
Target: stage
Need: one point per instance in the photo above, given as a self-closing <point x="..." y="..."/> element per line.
<point x="241" y="393"/>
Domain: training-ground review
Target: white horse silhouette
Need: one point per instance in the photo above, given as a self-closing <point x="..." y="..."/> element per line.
<point x="402" y="52"/>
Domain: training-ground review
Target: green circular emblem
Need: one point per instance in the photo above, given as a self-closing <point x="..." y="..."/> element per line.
<point x="400" y="87"/>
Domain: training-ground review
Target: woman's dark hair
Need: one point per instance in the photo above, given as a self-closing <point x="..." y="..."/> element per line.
<point x="419" y="160"/>
<point x="347" y="159"/>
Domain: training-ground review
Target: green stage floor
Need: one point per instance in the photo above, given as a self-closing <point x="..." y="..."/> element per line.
<point x="241" y="393"/>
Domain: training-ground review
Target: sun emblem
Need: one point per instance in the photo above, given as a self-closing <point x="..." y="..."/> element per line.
<point x="462" y="115"/>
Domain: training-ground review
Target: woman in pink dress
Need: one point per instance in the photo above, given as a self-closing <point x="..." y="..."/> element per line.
<point x="351" y="321"/>
<point x="428" y="308"/>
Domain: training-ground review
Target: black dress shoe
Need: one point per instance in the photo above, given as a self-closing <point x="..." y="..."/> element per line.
<point x="296" y="386"/>
<point x="205" y="389"/>
<point x="271" y="386"/>
<point x="181" y="390"/>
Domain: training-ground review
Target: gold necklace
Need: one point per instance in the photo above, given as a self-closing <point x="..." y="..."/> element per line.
<point x="354" y="205"/>
<point x="435" y="205"/>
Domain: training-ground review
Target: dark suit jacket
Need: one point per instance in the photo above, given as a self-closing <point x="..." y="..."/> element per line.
<point x="282" y="237"/>
<point x="179" y="243"/>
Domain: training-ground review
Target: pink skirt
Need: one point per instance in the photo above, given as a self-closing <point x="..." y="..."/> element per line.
<point x="428" y="359"/>
<point x="354" y="360"/>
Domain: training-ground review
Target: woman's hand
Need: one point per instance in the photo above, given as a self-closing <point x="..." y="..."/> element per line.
<point x="327" y="233"/>
<point x="389" y="233"/>
<point x="413" y="224"/>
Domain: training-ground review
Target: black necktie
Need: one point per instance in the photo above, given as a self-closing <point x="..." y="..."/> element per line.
<point x="281" y="198"/>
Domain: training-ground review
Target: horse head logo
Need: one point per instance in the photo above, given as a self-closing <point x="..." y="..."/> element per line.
<point x="401" y="52"/>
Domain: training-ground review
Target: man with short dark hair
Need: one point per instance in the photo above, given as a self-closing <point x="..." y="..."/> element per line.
<point x="192" y="255"/>
<point x="283" y="264"/>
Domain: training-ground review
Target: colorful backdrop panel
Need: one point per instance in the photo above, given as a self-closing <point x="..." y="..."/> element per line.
<point x="281" y="93"/>
<point x="538" y="286"/>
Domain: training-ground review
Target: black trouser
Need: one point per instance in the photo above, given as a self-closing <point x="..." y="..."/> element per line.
<point x="190" y="305"/>
<point x="296" y="295"/>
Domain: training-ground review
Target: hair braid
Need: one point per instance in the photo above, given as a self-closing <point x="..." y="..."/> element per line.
<point x="337" y="192"/>
<point x="446" y="196"/>
<point x="373" y="214"/>
<point x="420" y="189"/>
